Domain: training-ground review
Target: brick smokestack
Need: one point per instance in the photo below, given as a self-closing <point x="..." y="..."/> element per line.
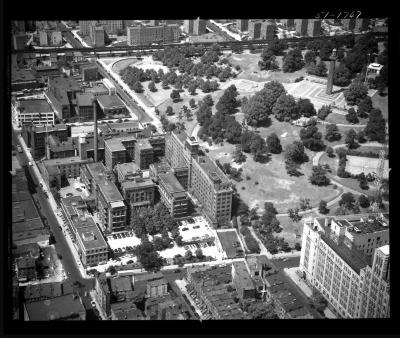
<point x="95" y="129"/>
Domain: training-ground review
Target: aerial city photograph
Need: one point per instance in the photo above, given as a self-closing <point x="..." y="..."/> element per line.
<point x="202" y="169"/>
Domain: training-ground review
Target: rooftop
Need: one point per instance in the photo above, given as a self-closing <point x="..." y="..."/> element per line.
<point x="32" y="236"/>
<point x="110" y="102"/>
<point x="32" y="224"/>
<point x="171" y="183"/>
<point x="126" y="311"/>
<point x="64" y="161"/>
<point x="124" y="125"/>
<point x="243" y="275"/>
<point x="24" y="210"/>
<point x="57" y="146"/>
<point x="132" y="184"/>
<point x="114" y="144"/>
<point x="97" y="88"/>
<point x="126" y="168"/>
<point x="49" y="129"/>
<point x="56" y="308"/>
<point x="84" y="99"/>
<point x="121" y="284"/>
<point x="143" y="144"/>
<point x="46" y="290"/>
<point x="181" y="135"/>
<point x="67" y="83"/>
<point x="22" y="75"/>
<point x="34" y="106"/>
<point x="90" y="235"/>
<point x="213" y="172"/>
<point x="385" y="249"/>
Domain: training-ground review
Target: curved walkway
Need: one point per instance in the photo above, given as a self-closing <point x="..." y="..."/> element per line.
<point x="343" y="124"/>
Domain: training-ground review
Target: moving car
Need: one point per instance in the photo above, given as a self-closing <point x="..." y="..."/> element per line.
<point x="93" y="303"/>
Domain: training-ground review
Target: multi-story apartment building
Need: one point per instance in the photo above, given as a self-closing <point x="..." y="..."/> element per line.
<point x="188" y="26"/>
<point x="85" y="27"/>
<point x="267" y="30"/>
<point x="242" y="25"/>
<point x="127" y="171"/>
<point x="37" y="112"/>
<point x="109" y="201"/>
<point x="84" y="106"/>
<point x="119" y="150"/>
<point x="144" y="154"/>
<point x="314" y="28"/>
<point x="361" y="25"/>
<point x="336" y="259"/>
<point x="199" y="27"/>
<point x="97" y="35"/>
<point x="173" y="195"/>
<point x="288" y="23"/>
<point x="349" y="24"/>
<point x="35" y="137"/>
<point x="138" y="193"/>
<point x="254" y="29"/>
<point x="205" y="180"/>
<point x="112" y="26"/>
<point x="146" y="35"/>
<point x="301" y="26"/>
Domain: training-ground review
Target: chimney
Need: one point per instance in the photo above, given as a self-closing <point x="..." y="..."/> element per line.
<point x="95" y="129"/>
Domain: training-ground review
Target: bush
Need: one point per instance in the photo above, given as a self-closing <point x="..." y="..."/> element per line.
<point x="256" y="182"/>
<point x="297" y="246"/>
<point x="301" y="78"/>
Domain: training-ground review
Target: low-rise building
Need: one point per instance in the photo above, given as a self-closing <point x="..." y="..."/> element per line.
<point x="157" y="288"/>
<point x="241" y="279"/>
<point x="67" y="307"/>
<point x="84" y="106"/>
<point x="26" y="269"/>
<point x="58" y="149"/>
<point x="50" y="38"/>
<point x="97" y="89"/>
<point x="35" y="111"/>
<point x="126" y="311"/>
<point x="111" y="105"/>
<point x="89" y="72"/>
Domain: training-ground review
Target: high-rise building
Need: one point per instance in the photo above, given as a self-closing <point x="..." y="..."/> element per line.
<point x="173" y="195"/>
<point x="146" y="35"/>
<point x="254" y="29"/>
<point x="112" y="26"/>
<point x="267" y="30"/>
<point x="288" y="23"/>
<point x="109" y="201"/>
<point x="361" y="25"/>
<point x="188" y="26"/>
<point x="154" y="22"/>
<point x="346" y="259"/>
<point x="208" y="183"/>
<point x="349" y="24"/>
<point x="97" y="35"/>
<point x="85" y="27"/>
<point x="199" y="27"/>
<point x="314" y="28"/>
<point x="242" y="25"/>
<point x="301" y="26"/>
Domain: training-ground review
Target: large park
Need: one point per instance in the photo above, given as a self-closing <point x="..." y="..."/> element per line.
<point x="290" y="149"/>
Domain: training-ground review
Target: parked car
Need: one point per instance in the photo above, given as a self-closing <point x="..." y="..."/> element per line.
<point x="93" y="303"/>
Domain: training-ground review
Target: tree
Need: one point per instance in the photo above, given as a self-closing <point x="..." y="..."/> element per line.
<point x="285" y="108"/>
<point x="318" y="176"/>
<point x="347" y="201"/>
<point x="199" y="253"/>
<point x="152" y="86"/>
<point x="311" y="138"/>
<point x="355" y="93"/>
<point x="341" y="76"/>
<point x="203" y="114"/>
<point x="188" y="255"/>
<point x="227" y="104"/>
<point x="323" y="112"/>
<point x="309" y="57"/>
<point x="148" y="257"/>
<point x="352" y="116"/>
<point x="295" y="152"/>
<point x="305" y="107"/>
<point x="169" y="111"/>
<point x="350" y="140"/>
<point x="361" y="137"/>
<point x="233" y="130"/>
<point x="321" y="69"/>
<point x="175" y="96"/>
<point x="274" y="144"/>
<point x="192" y="103"/>
<point x="238" y="155"/>
<point x="297" y="246"/>
<point x="322" y="207"/>
<point x="364" y="107"/>
<point x="268" y="60"/>
<point x="332" y="133"/>
<point x="363" y="181"/>
<point x="363" y="201"/>
<point x="255" y="112"/>
<point x="137" y="87"/>
<point x="294" y="215"/>
<point x="330" y="152"/>
<point x="292" y="61"/>
<point x="208" y="100"/>
<point x="376" y="126"/>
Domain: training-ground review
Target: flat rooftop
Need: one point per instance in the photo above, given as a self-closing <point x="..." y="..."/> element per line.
<point x="90" y="235"/>
<point x="34" y="106"/>
<point x="121" y="284"/>
<point x="24" y="210"/>
<point x="110" y="102"/>
<point x="131" y="184"/>
<point x="67" y="83"/>
<point x="126" y="168"/>
<point x="211" y="169"/>
<point x="132" y="125"/>
<point x="55" y="308"/>
<point x="243" y="275"/>
<point x="84" y="99"/>
<point x="181" y="135"/>
<point x="143" y="144"/>
<point x="171" y="183"/>
<point x="64" y="161"/>
<point x="22" y="75"/>
<point x="32" y="224"/>
<point x="354" y="258"/>
<point x="114" y="144"/>
<point x="97" y="88"/>
<point x="49" y="129"/>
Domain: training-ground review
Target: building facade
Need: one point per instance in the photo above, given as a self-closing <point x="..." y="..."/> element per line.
<point x="314" y="28"/>
<point x="267" y="31"/>
<point x="173" y="195"/>
<point x="337" y="257"/>
<point x="242" y="25"/>
<point x="37" y="112"/>
<point x="84" y="106"/>
<point x="97" y="35"/>
<point x="254" y="29"/>
<point x="301" y="26"/>
<point x="146" y="35"/>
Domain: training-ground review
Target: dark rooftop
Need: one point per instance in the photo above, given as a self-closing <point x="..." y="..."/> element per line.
<point x="121" y="284"/>
<point x="171" y="183"/>
<point x="110" y="101"/>
<point x="24" y="210"/>
<point x="34" y="106"/>
<point x="84" y="99"/>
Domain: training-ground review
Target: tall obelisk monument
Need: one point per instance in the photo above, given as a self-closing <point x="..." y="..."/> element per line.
<point x="329" y="85"/>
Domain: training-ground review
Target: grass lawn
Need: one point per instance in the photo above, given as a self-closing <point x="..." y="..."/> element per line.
<point x="381" y="102"/>
<point x="341" y="119"/>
